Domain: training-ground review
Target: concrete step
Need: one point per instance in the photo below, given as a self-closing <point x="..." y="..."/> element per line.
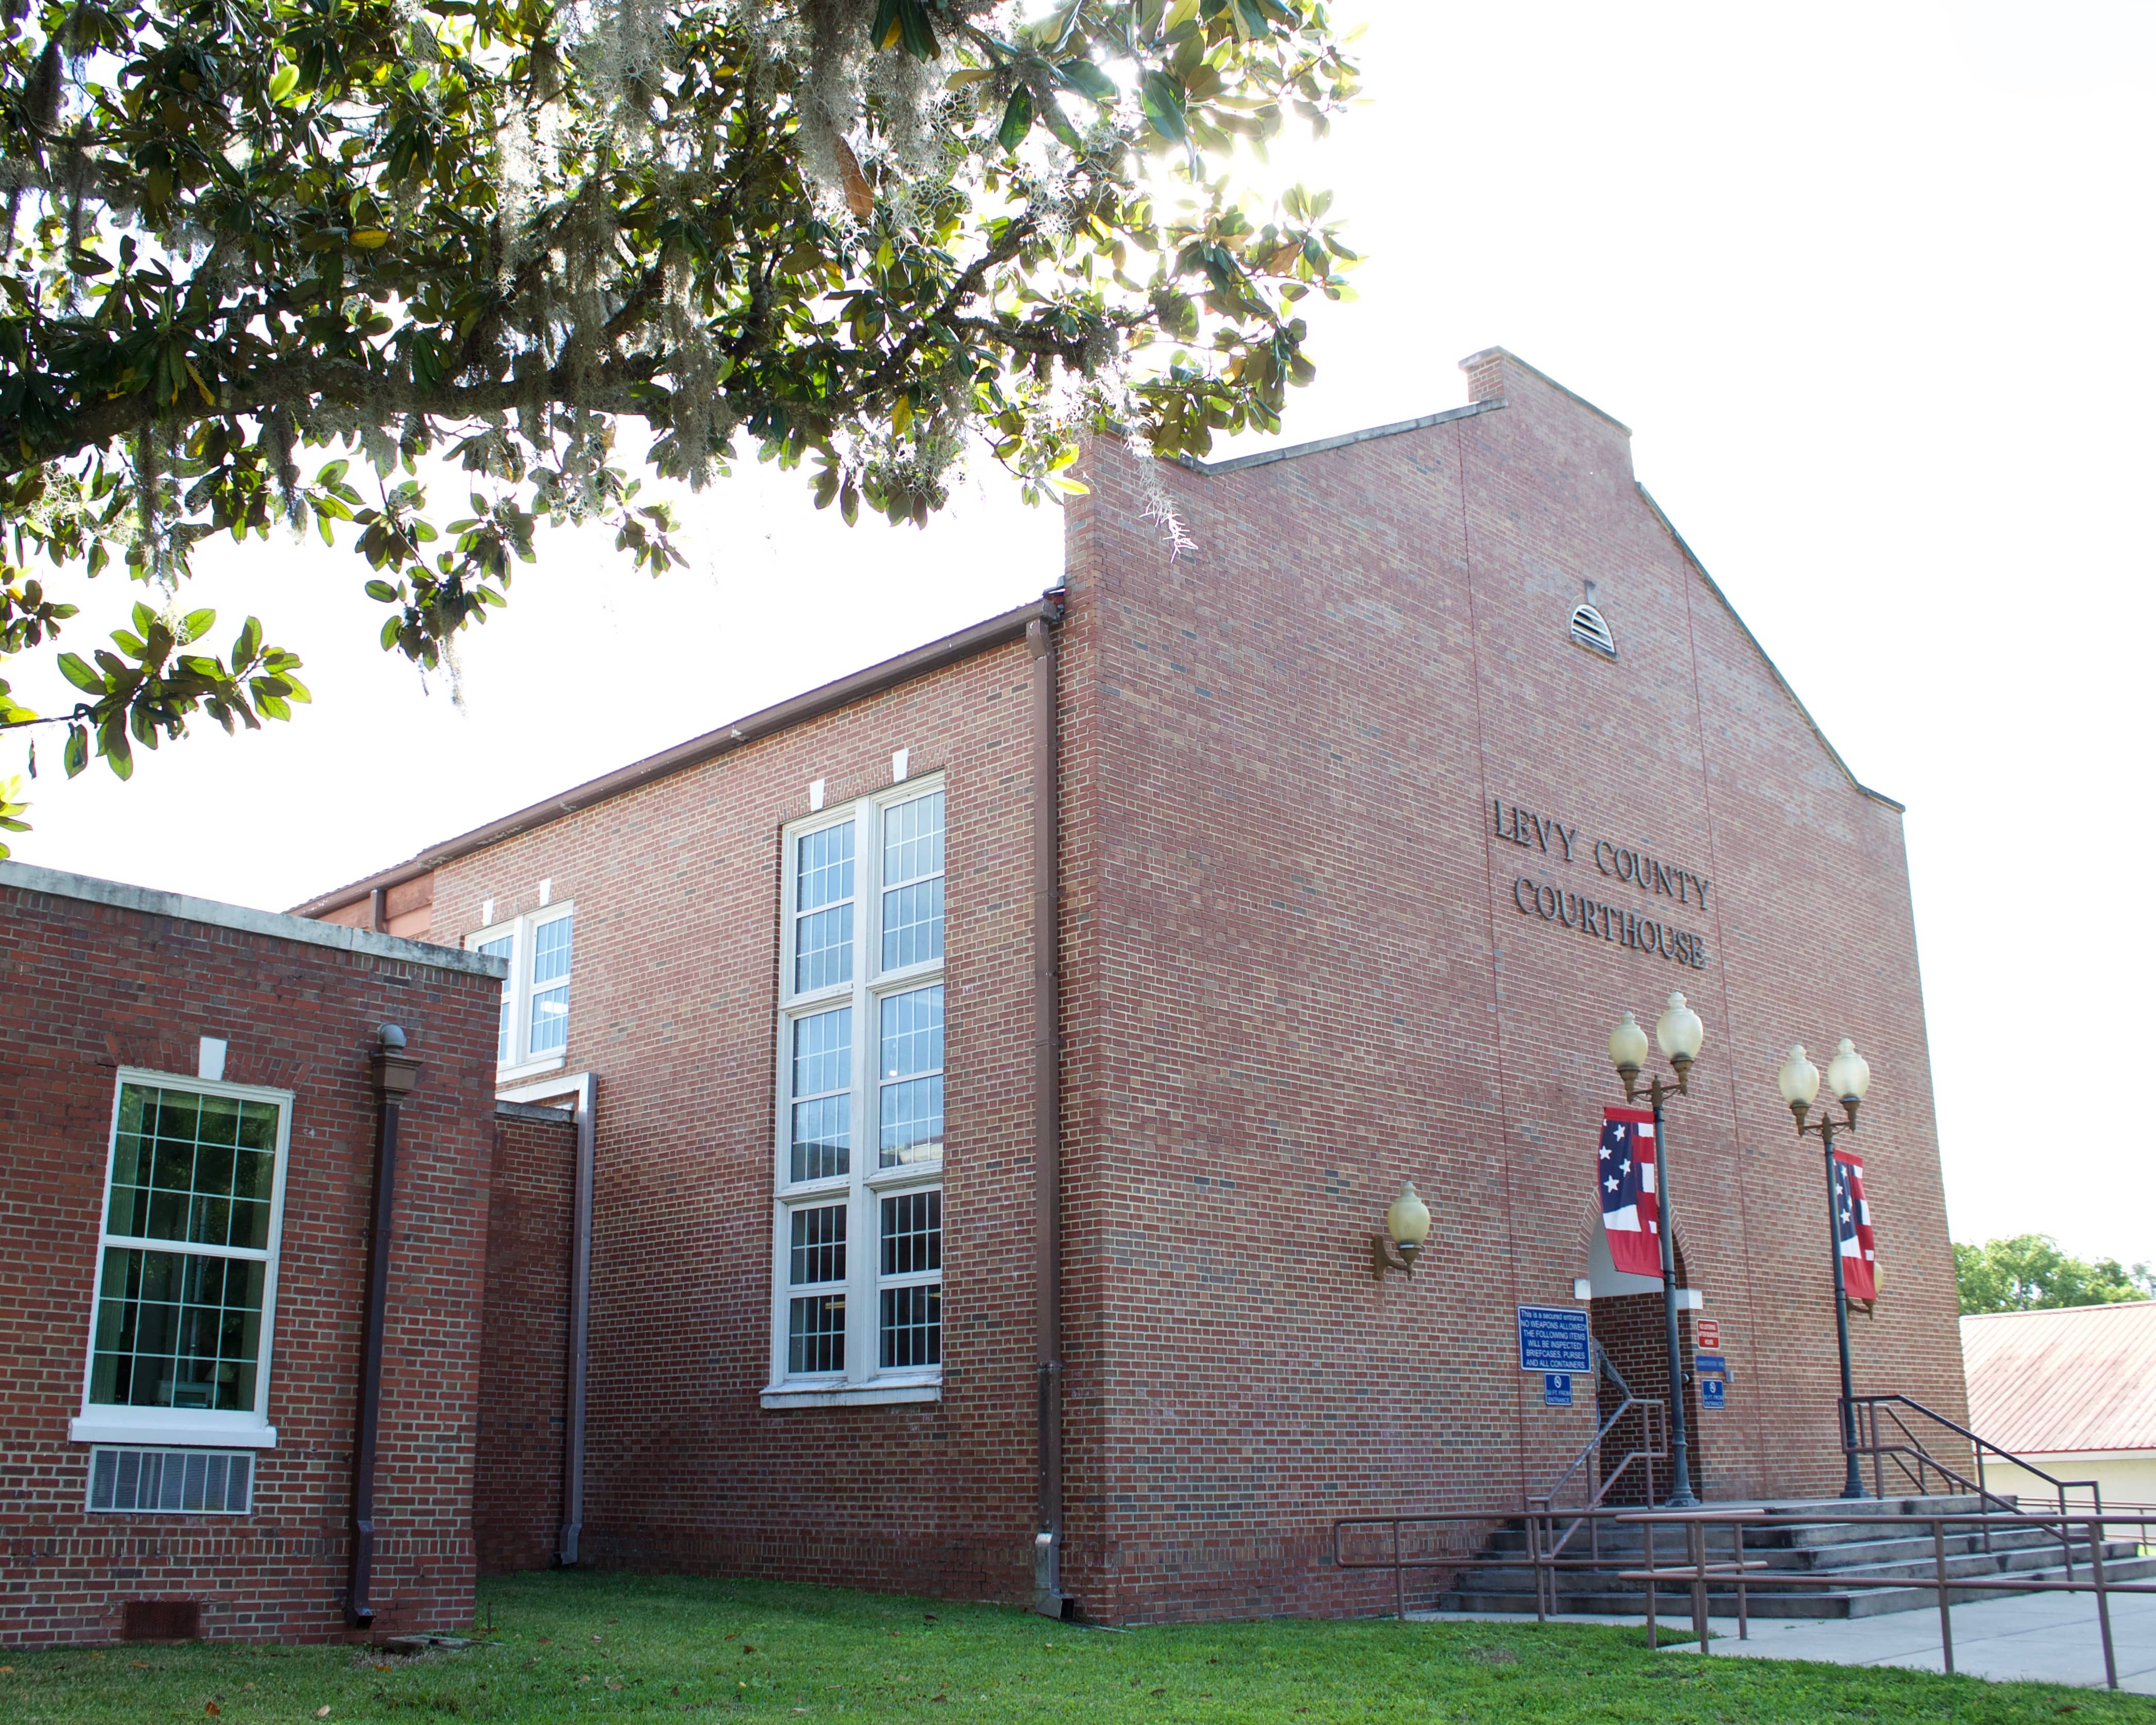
<point x="1595" y="1592"/>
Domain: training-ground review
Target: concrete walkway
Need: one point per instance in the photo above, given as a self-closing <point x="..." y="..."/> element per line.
<point x="2049" y="1638"/>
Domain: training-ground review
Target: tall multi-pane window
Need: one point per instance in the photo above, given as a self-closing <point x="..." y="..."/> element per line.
<point x="186" y="1262"/>
<point x="857" y="1240"/>
<point x="537" y="948"/>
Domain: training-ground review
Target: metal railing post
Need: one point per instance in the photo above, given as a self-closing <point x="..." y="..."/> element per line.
<point x="1939" y="1573"/>
<point x="2103" y="1603"/>
<point x="1737" y="1550"/>
<point x="1695" y="1549"/>
<point x="1399" y="1581"/>
<point x="1653" y="1641"/>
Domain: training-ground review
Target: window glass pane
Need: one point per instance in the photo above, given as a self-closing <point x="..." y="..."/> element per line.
<point x="913" y="913"/>
<point x="823" y="1095"/>
<point x="505" y="949"/>
<point x="550" y="1021"/>
<point x="177" y="1331"/>
<point x="913" y="838"/>
<point x="819" y="1247"/>
<point x="912" y="1233"/>
<point x="910" y="1100"/>
<point x="816" y="1333"/>
<point x="823" y="1052"/>
<point x="193" y="1172"/>
<point x="822" y="895"/>
<point x="824" y="949"/>
<point x="551" y="943"/>
<point x="823" y="868"/>
<point x="913" y="924"/>
<point x="912" y="1326"/>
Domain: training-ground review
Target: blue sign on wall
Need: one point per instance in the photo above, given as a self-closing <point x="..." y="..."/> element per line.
<point x="1713" y="1393"/>
<point x="1553" y="1338"/>
<point x="1557" y="1389"/>
<point x="1716" y="1363"/>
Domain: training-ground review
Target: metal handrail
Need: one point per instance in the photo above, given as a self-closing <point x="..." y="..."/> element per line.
<point x="1654" y="1416"/>
<point x="1861" y="1413"/>
<point x="1699" y="1570"/>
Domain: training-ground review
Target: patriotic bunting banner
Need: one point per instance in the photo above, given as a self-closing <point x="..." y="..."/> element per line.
<point x="1626" y="1173"/>
<point x="1852" y="1229"/>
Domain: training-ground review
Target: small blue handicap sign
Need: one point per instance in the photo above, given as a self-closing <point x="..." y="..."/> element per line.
<point x="1714" y="1392"/>
<point x="1557" y="1389"/>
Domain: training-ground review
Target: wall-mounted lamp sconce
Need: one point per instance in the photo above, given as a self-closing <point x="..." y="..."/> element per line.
<point x="1407" y="1223"/>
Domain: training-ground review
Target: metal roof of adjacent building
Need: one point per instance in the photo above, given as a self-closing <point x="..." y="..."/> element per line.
<point x="2080" y="1377"/>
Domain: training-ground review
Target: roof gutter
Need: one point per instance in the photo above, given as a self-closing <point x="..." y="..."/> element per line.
<point x="978" y="638"/>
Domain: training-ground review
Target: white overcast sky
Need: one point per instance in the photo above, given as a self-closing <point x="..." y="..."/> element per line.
<point x="1870" y="283"/>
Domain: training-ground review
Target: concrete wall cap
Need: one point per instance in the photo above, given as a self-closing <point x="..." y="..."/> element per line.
<point x="273" y="925"/>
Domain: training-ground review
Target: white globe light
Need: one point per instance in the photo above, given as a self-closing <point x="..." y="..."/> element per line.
<point x="1848" y="1073"/>
<point x="1408" y="1220"/>
<point x="1628" y="1045"/>
<point x="1799" y="1079"/>
<point x="1680" y="1032"/>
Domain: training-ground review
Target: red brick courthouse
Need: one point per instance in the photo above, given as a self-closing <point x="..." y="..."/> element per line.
<point x="1043" y="1020"/>
<point x="976" y="1084"/>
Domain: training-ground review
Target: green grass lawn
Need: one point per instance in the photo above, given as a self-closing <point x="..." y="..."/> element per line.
<point x="579" y="1646"/>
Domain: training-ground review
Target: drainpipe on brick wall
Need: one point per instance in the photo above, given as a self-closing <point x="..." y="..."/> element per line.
<point x="580" y="1325"/>
<point x="1049" y="1599"/>
<point x="395" y="1073"/>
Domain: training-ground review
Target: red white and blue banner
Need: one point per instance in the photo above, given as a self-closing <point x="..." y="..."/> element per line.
<point x="1624" y="1172"/>
<point x="1852" y="1229"/>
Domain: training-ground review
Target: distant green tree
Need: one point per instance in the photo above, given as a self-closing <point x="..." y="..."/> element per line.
<point x="2029" y="1273"/>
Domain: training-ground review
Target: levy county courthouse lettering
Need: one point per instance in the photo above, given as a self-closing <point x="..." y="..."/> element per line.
<point x="999" y="1061"/>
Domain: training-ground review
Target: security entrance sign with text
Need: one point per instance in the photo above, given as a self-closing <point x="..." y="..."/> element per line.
<point x="1553" y="1338"/>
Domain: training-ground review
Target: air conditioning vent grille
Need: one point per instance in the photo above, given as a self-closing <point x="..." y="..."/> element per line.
<point x="216" y="1482"/>
<point x="1589" y="630"/>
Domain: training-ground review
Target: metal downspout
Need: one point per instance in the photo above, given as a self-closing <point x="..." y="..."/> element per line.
<point x="580" y="1323"/>
<point x="395" y="1074"/>
<point x="1049" y="1599"/>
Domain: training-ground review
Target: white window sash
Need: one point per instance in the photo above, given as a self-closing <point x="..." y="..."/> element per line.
<point x="520" y="991"/>
<point x="865" y="1184"/>
<point x="99" y="1422"/>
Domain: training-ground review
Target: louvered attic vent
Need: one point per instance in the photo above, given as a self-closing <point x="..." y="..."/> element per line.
<point x="1589" y="630"/>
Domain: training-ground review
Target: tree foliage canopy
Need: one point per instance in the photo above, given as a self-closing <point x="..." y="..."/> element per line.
<point x="862" y="235"/>
<point x="2029" y="1273"/>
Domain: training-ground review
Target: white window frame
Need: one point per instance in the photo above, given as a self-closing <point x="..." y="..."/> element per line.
<point x="99" y="1423"/>
<point x="523" y="932"/>
<point x="865" y="1185"/>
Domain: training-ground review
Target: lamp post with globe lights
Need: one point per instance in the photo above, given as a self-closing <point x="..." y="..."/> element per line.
<point x="1679" y="1033"/>
<point x="1848" y="1077"/>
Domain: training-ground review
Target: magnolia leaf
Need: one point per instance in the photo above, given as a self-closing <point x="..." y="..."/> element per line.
<point x="1018" y="118"/>
<point x="859" y="199"/>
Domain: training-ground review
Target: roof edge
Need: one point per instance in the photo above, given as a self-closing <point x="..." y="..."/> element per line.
<point x="277" y="925"/>
<point x="856" y="686"/>
<point x="1713" y="586"/>
<point x="2061" y="1310"/>
<point x="1266" y="457"/>
<point x="1536" y="371"/>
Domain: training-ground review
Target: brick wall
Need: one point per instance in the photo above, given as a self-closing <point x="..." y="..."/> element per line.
<point x="1305" y="955"/>
<point x="676" y="893"/>
<point x="517" y="1503"/>
<point x="88" y="988"/>
<point x="1301" y="966"/>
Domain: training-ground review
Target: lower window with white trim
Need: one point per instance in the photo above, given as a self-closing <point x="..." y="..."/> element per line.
<point x="185" y="1301"/>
